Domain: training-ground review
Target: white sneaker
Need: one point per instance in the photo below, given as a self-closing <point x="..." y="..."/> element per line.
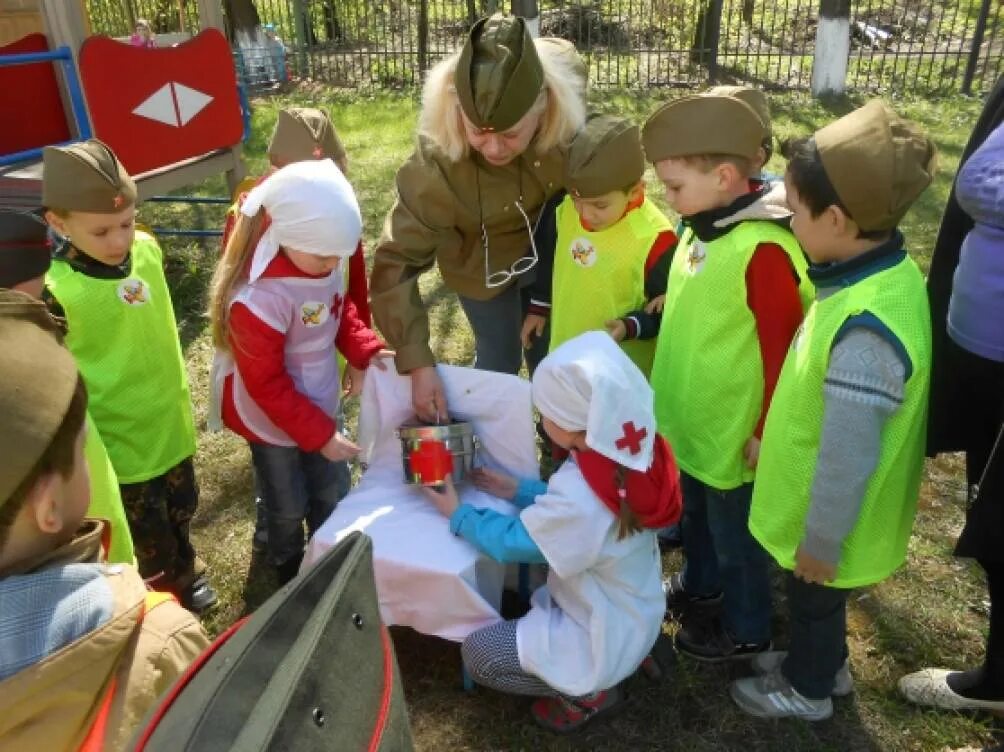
<point x="766" y="663"/>
<point x="772" y="696"/>
<point x="930" y="687"/>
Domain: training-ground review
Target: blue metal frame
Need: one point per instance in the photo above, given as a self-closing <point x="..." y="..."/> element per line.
<point x="64" y="57"/>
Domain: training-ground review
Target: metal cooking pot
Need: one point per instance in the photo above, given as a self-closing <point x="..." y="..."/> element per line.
<point x="430" y="453"/>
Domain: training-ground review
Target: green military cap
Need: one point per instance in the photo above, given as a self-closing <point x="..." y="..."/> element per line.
<point x="37" y="379"/>
<point x="605" y="156"/>
<point x="87" y="177"/>
<point x="878" y="163"/>
<point x="703" y="124"/>
<point x="499" y="75"/>
<point x="303" y="133"/>
<point x="24" y="247"/>
<point x="753" y="97"/>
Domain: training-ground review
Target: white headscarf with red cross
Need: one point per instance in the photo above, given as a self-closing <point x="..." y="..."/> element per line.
<point x="589" y="384"/>
<point x="313" y="209"/>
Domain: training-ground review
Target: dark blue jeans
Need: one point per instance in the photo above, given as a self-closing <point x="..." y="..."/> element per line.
<point x="296" y="487"/>
<point x="721" y="555"/>
<point x="818" y="646"/>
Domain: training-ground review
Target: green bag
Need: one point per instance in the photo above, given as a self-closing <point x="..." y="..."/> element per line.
<point x="312" y="669"/>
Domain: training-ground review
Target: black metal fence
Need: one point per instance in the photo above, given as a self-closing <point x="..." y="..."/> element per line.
<point x="927" y="46"/>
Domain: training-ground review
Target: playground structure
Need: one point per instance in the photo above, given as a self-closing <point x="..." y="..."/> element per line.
<point x="174" y="115"/>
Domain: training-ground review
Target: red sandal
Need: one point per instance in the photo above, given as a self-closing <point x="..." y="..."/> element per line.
<point x="565" y="714"/>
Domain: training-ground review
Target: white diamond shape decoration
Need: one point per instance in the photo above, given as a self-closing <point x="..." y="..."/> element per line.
<point x="173" y="104"/>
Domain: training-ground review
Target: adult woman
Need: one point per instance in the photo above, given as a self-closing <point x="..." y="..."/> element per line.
<point x="967" y="391"/>
<point x="496" y="116"/>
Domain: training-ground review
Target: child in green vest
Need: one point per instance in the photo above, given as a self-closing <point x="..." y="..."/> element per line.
<point x="836" y="488"/>
<point x="107" y="280"/>
<point x="735" y="296"/>
<point x="609" y="247"/>
<point x="24" y="260"/>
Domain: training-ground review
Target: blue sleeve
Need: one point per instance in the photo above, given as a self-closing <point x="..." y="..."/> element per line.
<point x="528" y="491"/>
<point x="501" y="536"/>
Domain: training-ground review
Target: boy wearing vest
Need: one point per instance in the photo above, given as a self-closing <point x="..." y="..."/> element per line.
<point x="107" y="281"/>
<point x="85" y="649"/>
<point x="608" y="256"/>
<point x="735" y="296"/>
<point x="25" y="256"/>
<point x="836" y="488"/>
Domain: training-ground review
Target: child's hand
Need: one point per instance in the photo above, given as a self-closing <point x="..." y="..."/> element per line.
<point x="445" y="498"/>
<point x="751" y="452"/>
<point x="616" y="329"/>
<point x="352" y="381"/>
<point x="655" y="304"/>
<point x="532" y="325"/>
<point x="339" y="448"/>
<point x="810" y="569"/>
<point x="379" y="361"/>
<point x="492" y="481"/>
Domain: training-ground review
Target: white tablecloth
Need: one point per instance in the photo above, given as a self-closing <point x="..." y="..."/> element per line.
<point x="426" y="577"/>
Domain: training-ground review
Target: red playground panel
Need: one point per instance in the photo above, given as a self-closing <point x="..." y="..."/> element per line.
<point x="31" y="110"/>
<point x="157" y="107"/>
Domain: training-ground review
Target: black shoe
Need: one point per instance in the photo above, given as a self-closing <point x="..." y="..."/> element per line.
<point x="288" y="569"/>
<point x="712" y="643"/>
<point x="199" y="597"/>
<point x="680" y="603"/>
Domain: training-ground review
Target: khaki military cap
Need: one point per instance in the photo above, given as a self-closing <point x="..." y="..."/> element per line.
<point x="605" y="156"/>
<point x="703" y="124"/>
<point x="303" y="133"/>
<point x="37" y="379"/>
<point x="24" y="247"/>
<point x="498" y="75"/>
<point x="753" y="97"/>
<point x="87" y="177"/>
<point x="878" y="163"/>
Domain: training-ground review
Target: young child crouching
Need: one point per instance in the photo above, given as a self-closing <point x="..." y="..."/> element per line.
<point x="593" y="524"/>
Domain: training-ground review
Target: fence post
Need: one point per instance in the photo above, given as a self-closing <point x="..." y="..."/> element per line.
<point x="974" y="53"/>
<point x="300" y="33"/>
<point x="833" y="47"/>
<point x="423" y="38"/>
<point x="529" y="11"/>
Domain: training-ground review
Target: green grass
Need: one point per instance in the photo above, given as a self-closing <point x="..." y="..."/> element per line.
<point x="932" y="612"/>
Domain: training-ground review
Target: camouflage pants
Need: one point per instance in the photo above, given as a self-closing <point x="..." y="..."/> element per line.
<point x="160" y="512"/>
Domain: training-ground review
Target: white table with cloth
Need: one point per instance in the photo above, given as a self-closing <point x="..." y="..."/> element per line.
<point x="426" y="577"/>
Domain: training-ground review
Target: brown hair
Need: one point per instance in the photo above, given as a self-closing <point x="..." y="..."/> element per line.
<point x="230" y="270"/>
<point x="708" y="162"/>
<point x="627" y="520"/>
<point x="59" y="457"/>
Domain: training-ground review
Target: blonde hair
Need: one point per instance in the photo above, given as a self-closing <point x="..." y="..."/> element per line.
<point x="232" y="269"/>
<point x="561" y="100"/>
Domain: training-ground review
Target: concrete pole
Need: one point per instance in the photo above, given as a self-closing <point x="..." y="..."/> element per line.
<point x="833" y="47"/>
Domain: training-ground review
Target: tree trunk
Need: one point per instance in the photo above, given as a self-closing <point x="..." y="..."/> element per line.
<point x="242" y="15"/>
<point x="704" y="50"/>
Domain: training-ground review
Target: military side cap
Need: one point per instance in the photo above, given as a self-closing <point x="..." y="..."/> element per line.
<point x="605" y="156"/>
<point x="87" y="177"/>
<point x="878" y="163"/>
<point x="303" y="133"/>
<point x="37" y="379"/>
<point x="499" y="75"/>
<point x="703" y="124"/>
<point x="753" y="97"/>
<point x="24" y="247"/>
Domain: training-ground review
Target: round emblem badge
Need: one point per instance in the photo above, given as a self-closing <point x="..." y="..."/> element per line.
<point x="133" y="292"/>
<point x="583" y="252"/>
<point x="313" y="313"/>
<point x="696" y="257"/>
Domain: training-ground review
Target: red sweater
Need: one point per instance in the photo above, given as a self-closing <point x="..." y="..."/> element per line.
<point x="258" y="351"/>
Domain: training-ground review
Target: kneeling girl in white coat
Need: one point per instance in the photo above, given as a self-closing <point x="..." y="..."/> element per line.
<point x="594" y="524"/>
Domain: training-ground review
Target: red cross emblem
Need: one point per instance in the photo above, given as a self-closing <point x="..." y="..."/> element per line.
<point x="632" y="438"/>
<point x="431" y="462"/>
